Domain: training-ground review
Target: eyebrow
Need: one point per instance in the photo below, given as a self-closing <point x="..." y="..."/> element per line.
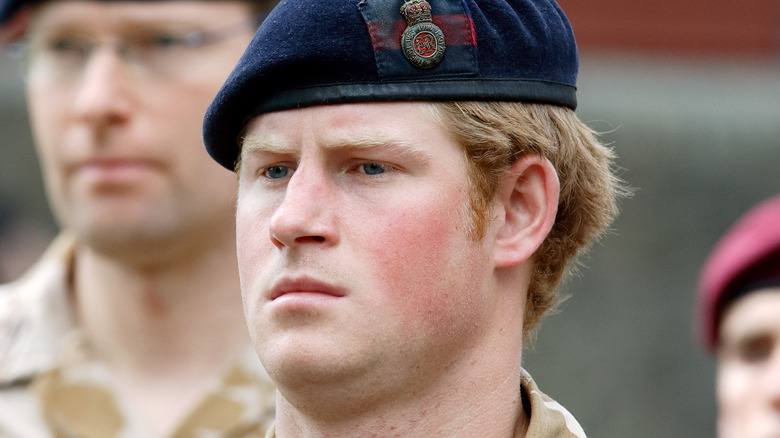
<point x="264" y="143"/>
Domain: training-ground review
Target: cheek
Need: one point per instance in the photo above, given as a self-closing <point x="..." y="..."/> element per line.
<point x="251" y="246"/>
<point x="175" y="115"/>
<point x="735" y="388"/>
<point x="44" y="112"/>
<point x="420" y="260"/>
<point x="47" y="118"/>
<point x="251" y="235"/>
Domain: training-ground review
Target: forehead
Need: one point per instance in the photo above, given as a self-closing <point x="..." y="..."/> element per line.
<point x="408" y="123"/>
<point x="129" y="15"/>
<point x="758" y="311"/>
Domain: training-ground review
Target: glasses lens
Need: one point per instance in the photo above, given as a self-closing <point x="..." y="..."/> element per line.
<point x="159" y="52"/>
<point x="58" y="55"/>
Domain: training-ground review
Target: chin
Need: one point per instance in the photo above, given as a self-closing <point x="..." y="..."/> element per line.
<point x="299" y="366"/>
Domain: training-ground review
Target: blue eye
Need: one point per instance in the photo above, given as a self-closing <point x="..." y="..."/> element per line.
<point x="372" y="168"/>
<point x="276" y="172"/>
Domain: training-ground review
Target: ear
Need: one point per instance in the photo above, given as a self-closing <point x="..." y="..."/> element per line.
<point x="528" y="201"/>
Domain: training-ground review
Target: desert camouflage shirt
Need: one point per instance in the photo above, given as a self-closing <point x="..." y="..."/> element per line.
<point x="548" y="419"/>
<point x="48" y="387"/>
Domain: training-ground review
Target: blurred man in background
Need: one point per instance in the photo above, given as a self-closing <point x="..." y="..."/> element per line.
<point x="739" y="304"/>
<point x="131" y="323"/>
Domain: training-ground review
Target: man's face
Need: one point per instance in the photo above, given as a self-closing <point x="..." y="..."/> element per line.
<point x="749" y="367"/>
<point x="354" y="249"/>
<point x="117" y="97"/>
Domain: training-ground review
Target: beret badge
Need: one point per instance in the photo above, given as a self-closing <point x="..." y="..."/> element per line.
<point x="422" y="42"/>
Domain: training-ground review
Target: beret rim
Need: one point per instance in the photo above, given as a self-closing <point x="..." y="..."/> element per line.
<point x="222" y="143"/>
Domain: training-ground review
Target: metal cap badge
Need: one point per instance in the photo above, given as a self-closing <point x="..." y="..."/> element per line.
<point x="422" y="42"/>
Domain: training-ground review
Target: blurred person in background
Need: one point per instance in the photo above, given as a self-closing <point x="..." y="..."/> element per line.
<point x="739" y="305"/>
<point x="131" y="323"/>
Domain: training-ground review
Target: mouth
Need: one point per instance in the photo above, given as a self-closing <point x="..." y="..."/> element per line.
<point x="304" y="287"/>
<point x="115" y="169"/>
<point x="115" y="163"/>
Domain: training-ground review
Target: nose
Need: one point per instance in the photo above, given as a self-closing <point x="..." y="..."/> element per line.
<point x="103" y="94"/>
<point x="306" y="215"/>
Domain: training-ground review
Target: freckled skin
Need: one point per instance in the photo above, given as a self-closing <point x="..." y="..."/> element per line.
<point x="396" y="245"/>
<point x="748" y="384"/>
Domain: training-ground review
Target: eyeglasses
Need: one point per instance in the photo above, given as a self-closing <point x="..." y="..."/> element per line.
<point x="63" y="55"/>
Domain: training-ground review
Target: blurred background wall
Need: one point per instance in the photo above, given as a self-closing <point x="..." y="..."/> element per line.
<point x="688" y="93"/>
<point x="26" y="225"/>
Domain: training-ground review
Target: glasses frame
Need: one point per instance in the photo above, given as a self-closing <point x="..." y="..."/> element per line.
<point x="22" y="50"/>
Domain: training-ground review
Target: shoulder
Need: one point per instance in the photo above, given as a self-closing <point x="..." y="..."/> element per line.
<point x="34" y="315"/>
<point x="548" y="419"/>
<point x="248" y="385"/>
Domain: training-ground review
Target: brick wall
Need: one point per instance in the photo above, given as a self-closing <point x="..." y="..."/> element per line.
<point x="709" y="27"/>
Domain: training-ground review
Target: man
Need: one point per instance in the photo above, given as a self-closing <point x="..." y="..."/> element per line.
<point x="130" y="325"/>
<point x="413" y="184"/>
<point x="739" y="305"/>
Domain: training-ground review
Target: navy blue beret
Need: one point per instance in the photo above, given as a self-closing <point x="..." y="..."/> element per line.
<point x="315" y="52"/>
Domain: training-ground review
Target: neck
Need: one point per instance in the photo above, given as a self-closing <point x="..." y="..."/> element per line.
<point x="166" y="332"/>
<point x="479" y="395"/>
<point x="465" y="410"/>
<point x="149" y="318"/>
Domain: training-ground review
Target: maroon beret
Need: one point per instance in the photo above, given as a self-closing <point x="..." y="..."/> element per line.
<point x="746" y="258"/>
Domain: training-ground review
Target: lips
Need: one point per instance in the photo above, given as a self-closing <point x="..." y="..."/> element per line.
<point x="304" y="286"/>
<point x="116" y="163"/>
<point x="115" y="170"/>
